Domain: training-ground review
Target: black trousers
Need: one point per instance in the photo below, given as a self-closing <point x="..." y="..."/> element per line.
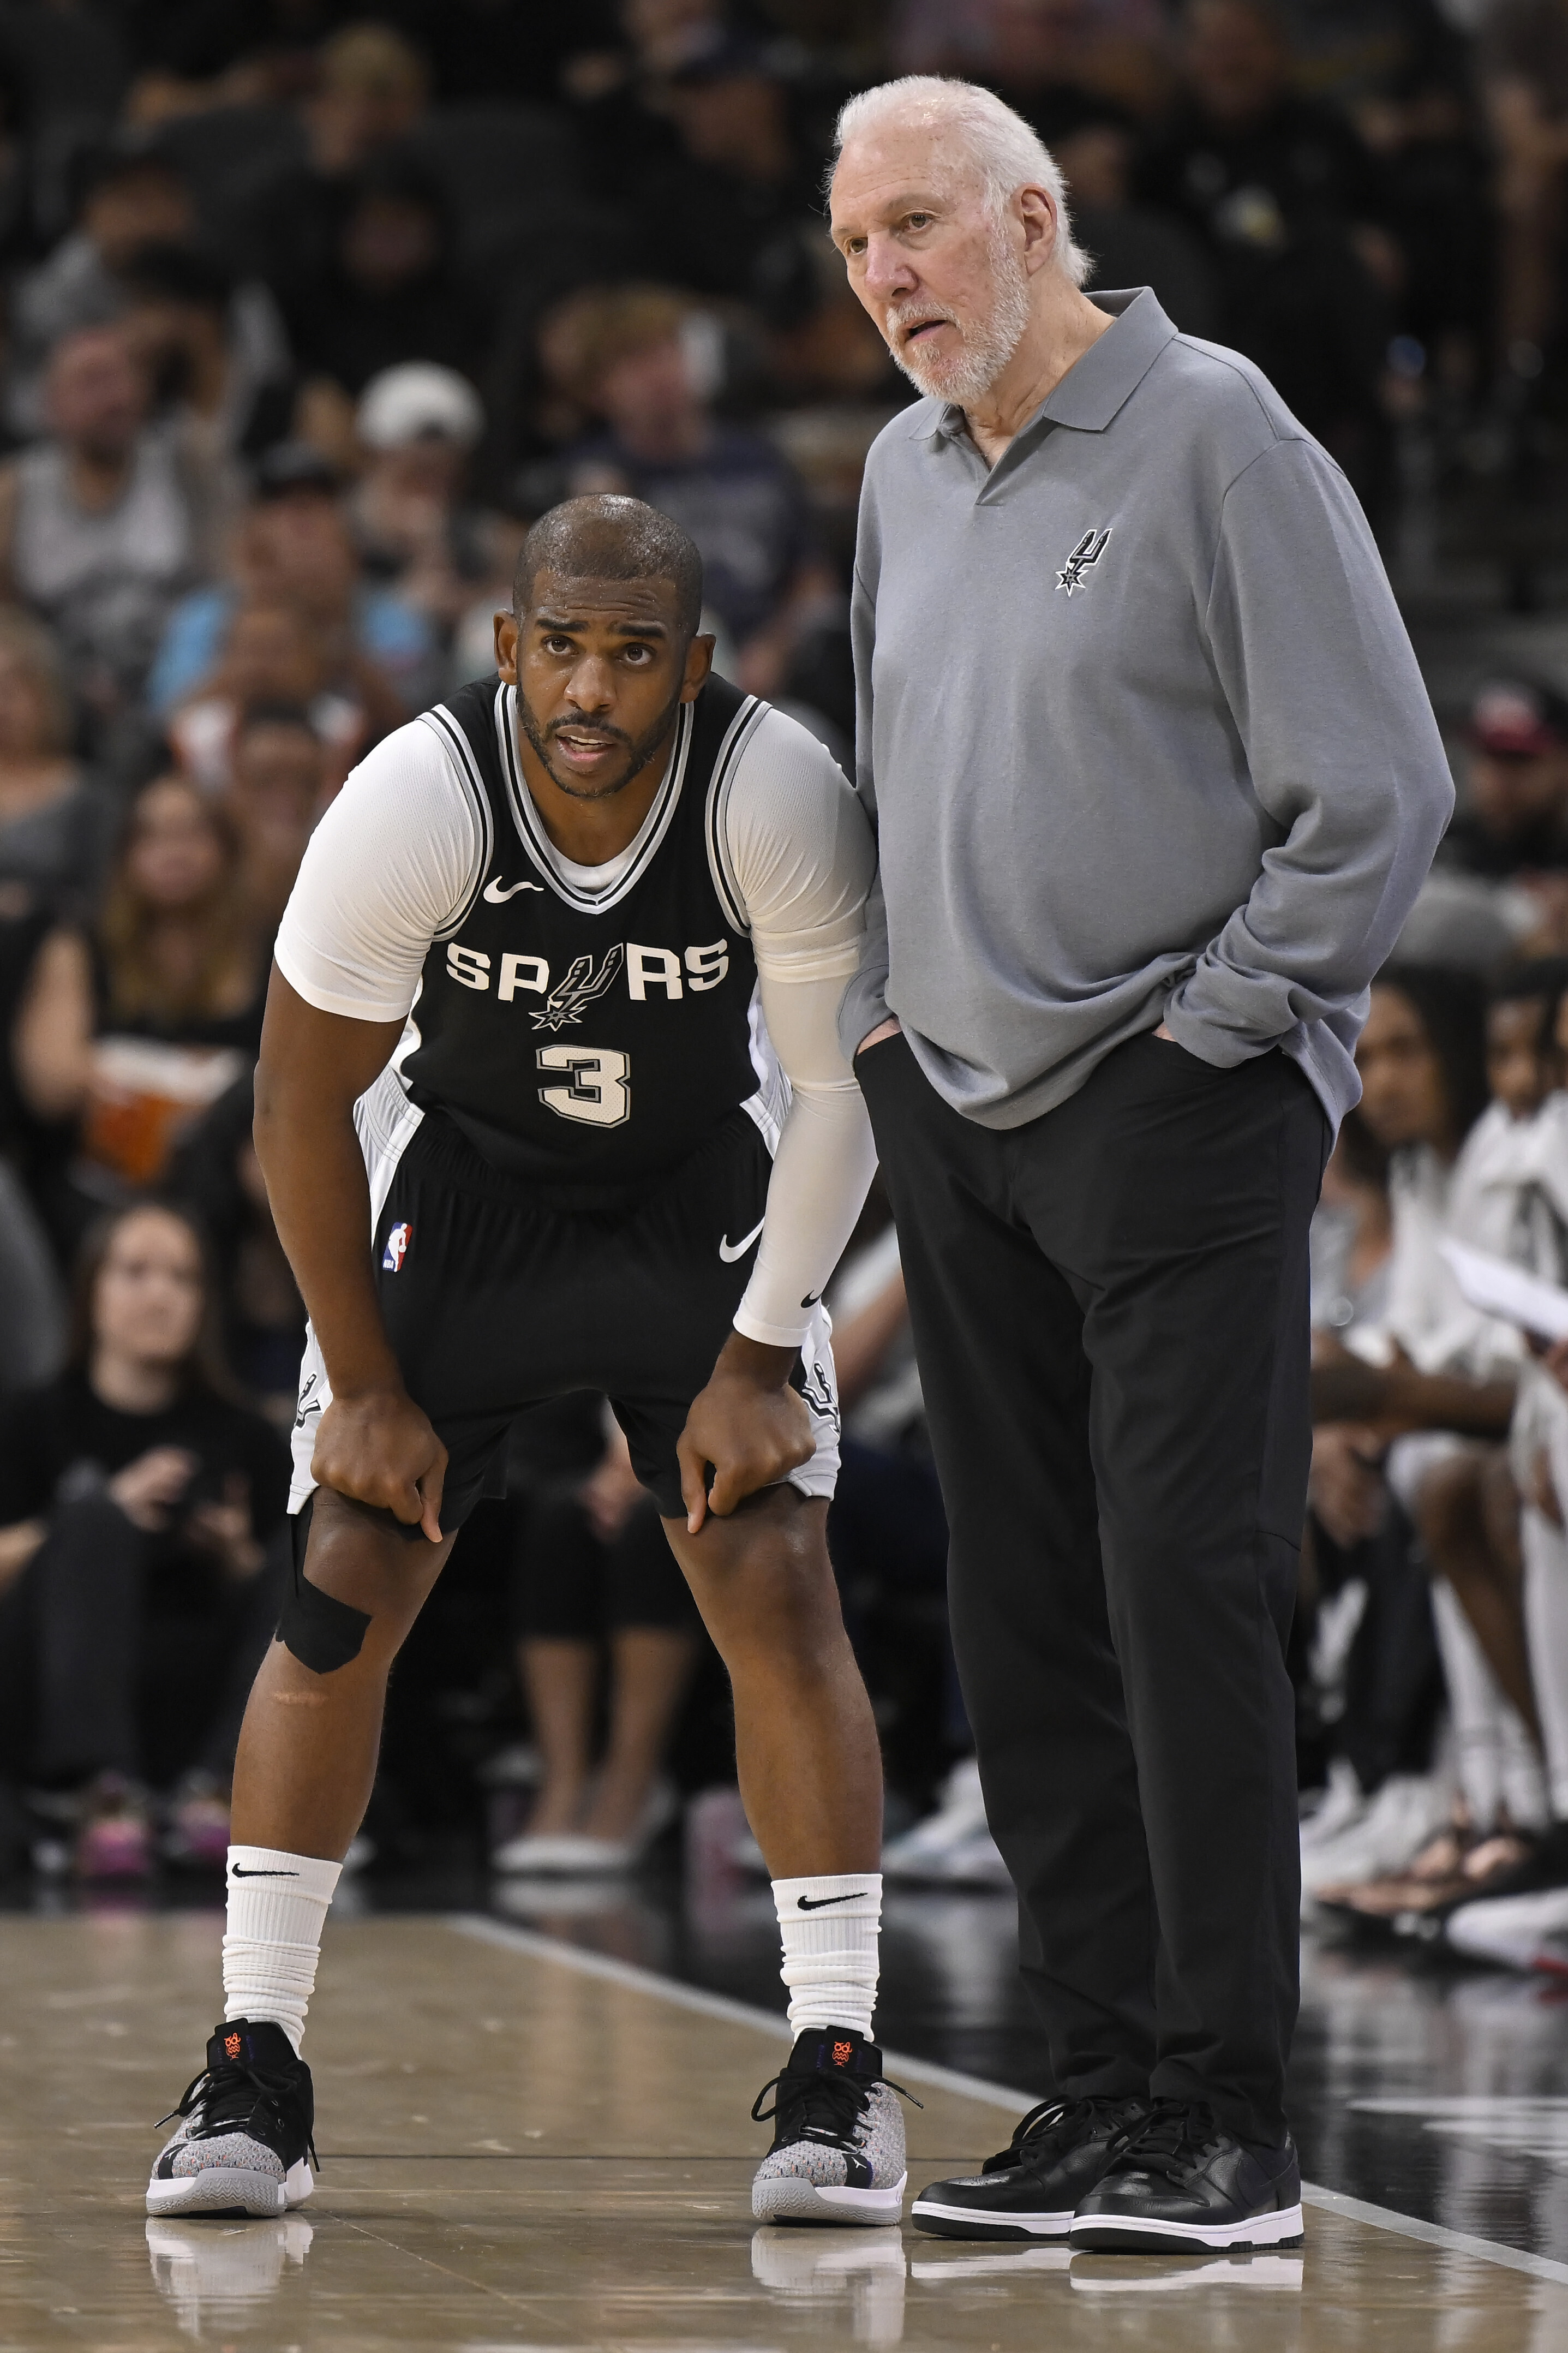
<point x="1110" y="1313"/>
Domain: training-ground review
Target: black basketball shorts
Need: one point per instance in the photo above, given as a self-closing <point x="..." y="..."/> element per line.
<point x="493" y="1303"/>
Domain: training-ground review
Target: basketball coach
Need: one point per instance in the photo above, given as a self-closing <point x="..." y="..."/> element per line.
<point x="1156" y="783"/>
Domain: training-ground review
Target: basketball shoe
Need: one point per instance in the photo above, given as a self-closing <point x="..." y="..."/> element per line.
<point x="838" y="2135"/>
<point x="245" y="2129"/>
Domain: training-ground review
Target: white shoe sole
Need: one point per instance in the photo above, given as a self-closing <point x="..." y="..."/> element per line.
<point x="1149" y="2234"/>
<point x="785" y="2198"/>
<point x="974" y="2223"/>
<point x="220" y="2190"/>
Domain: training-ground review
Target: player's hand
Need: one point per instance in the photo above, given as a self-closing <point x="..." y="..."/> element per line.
<point x="748" y="1424"/>
<point x="379" y="1448"/>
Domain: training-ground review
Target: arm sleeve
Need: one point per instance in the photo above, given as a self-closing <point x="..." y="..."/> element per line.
<point x="800" y="849"/>
<point x="391" y="863"/>
<point x="1342" y="750"/>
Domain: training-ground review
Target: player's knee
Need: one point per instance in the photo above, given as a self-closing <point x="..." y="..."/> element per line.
<point x="350" y="1581"/>
<point x="785" y="1609"/>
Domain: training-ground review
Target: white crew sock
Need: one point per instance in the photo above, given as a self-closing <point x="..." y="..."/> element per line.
<point x="1545" y="1552"/>
<point x="276" y="1905"/>
<point x="829" y="1926"/>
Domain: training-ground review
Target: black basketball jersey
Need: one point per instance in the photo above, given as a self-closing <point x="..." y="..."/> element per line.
<point x="590" y="1042"/>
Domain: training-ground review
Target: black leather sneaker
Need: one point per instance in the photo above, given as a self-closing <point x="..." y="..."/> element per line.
<point x="1178" y="2184"/>
<point x="1031" y="2188"/>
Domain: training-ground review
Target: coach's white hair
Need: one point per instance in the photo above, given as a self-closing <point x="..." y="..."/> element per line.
<point x="998" y="145"/>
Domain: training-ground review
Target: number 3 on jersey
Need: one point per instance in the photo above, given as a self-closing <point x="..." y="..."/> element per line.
<point x="597" y="1084"/>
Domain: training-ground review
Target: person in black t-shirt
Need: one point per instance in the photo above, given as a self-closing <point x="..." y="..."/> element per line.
<point x="141" y="1518"/>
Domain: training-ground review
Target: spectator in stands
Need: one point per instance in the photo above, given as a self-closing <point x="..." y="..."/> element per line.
<point x="1436" y="1378"/>
<point x="419" y="424"/>
<point x="596" y="1576"/>
<point x="1044" y="59"/>
<point x="1502" y="875"/>
<point x="1523" y="68"/>
<point x="260" y="1313"/>
<point x="271" y="652"/>
<point x="370" y="89"/>
<point x="178" y="952"/>
<point x="104" y="523"/>
<point x="390" y="289"/>
<point x="1287" y="201"/>
<point x="630" y="357"/>
<point x="1401" y="72"/>
<point x="224" y="54"/>
<point x="1130" y="243"/>
<point x="277" y="784"/>
<point x="1514" y="819"/>
<point x="142" y="1026"/>
<point x="294" y="546"/>
<point x="216" y="353"/>
<point x="739" y="180"/>
<point x="140" y="1514"/>
<point x="132" y="196"/>
<point x="55" y="827"/>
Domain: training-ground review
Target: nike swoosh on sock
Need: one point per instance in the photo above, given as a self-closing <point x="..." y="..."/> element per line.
<point x="240" y="1871"/>
<point x="819" y="1902"/>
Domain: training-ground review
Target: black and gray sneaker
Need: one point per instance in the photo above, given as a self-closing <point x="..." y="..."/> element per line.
<point x="838" y="2135"/>
<point x="1179" y="2184"/>
<point x="245" y="2129"/>
<point x="1031" y="2188"/>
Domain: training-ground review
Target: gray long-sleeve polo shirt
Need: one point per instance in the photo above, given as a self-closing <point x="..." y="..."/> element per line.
<point x="1140" y="730"/>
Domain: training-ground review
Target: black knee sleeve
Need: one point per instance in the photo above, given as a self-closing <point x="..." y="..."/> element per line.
<point x="321" y="1632"/>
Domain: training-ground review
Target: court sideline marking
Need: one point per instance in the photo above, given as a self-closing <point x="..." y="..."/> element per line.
<point x="500" y="1932"/>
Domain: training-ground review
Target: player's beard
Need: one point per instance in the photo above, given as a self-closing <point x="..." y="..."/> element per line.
<point x="640" y="749"/>
<point x="988" y="342"/>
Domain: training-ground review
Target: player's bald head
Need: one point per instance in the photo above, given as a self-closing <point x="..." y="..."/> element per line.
<point x="609" y="537"/>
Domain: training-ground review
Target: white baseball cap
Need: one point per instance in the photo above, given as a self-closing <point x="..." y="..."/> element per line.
<point x="417" y="399"/>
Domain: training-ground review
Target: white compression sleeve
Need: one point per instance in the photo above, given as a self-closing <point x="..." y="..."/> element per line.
<point x="798" y="858"/>
<point x="824" y="1161"/>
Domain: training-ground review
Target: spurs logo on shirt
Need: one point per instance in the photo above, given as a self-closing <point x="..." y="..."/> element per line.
<point x="649" y="983"/>
<point x="1089" y="550"/>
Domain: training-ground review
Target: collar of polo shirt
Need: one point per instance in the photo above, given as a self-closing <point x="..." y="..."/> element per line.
<point x="1098" y="384"/>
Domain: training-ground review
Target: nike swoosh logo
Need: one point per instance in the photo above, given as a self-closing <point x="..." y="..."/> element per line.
<point x="820" y="1902"/>
<point x="498" y="897"/>
<point x="729" y="1251"/>
<point x="240" y="1871"/>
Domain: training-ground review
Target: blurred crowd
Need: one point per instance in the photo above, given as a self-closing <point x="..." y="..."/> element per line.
<point x="305" y="316"/>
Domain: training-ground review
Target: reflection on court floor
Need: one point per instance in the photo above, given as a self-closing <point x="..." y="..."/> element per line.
<point x="527" y="2148"/>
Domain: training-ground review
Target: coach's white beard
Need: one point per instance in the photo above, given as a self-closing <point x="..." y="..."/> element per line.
<point x="988" y="343"/>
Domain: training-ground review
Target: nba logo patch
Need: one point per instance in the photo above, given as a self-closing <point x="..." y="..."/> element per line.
<point x="396" y="1249"/>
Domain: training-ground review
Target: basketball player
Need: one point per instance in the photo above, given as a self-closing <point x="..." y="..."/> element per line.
<point x="545" y="958"/>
